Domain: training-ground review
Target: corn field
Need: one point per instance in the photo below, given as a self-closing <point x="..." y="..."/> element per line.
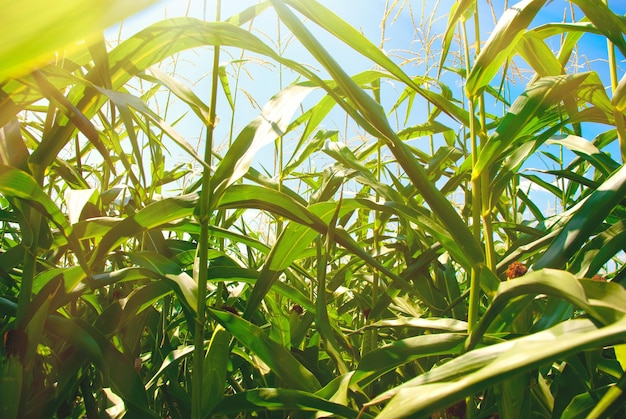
<point x="276" y="210"/>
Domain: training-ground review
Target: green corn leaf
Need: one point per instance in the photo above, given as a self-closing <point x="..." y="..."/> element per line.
<point x="170" y="361"/>
<point x="253" y="196"/>
<point x="70" y="276"/>
<point x="372" y="113"/>
<point x="277" y="357"/>
<point x="163" y="266"/>
<point x="76" y="200"/>
<point x="142" y="298"/>
<point x="18" y="184"/>
<point x="555" y="190"/>
<point x="7" y="307"/>
<point x="589" y="214"/>
<point x="430" y="323"/>
<point x="561" y="284"/>
<point x="592" y="91"/>
<point x="13" y="151"/>
<point x="73" y="114"/>
<point x="125" y="101"/>
<point x="537" y="98"/>
<point x="536" y="53"/>
<point x="310" y="146"/>
<point x="584" y="148"/>
<point x="605" y="20"/>
<point x="356" y="40"/>
<point x="53" y="27"/>
<point x="461" y="10"/>
<point x="619" y="95"/>
<point x="179" y="89"/>
<point x="248" y="14"/>
<point x="282" y="399"/>
<point x="150" y="217"/>
<point x="215" y="370"/>
<point x="294" y="240"/>
<point x="225" y="83"/>
<point x="600" y="250"/>
<point x="485" y="367"/>
<point x="423" y="130"/>
<point x="387" y="358"/>
<point x="134" y="55"/>
<point x="343" y="154"/>
<point x="72" y="332"/>
<point x="503" y="40"/>
<point x="11" y="379"/>
<point x="117" y="368"/>
<point x="270" y="125"/>
<point x="252" y="277"/>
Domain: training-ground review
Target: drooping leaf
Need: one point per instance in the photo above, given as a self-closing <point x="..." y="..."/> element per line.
<point x="356" y="40"/>
<point x="152" y="216"/>
<point x="485" y="367"/>
<point x="270" y="125"/>
<point x="530" y="105"/>
<point x="536" y="53"/>
<point x="28" y="46"/>
<point x="367" y="110"/>
<point x="276" y="356"/>
<point x="504" y="38"/>
<point x="18" y="184"/>
<point x="76" y="200"/>
<point x="606" y="21"/>
<point x="589" y="214"/>
<point x="599" y="250"/>
<point x="166" y="268"/>
<point x="282" y="399"/>
<point x="387" y="358"/>
<point x="602" y="301"/>
<point x="170" y="361"/>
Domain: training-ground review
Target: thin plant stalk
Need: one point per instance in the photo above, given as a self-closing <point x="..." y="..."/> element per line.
<point x="484" y="178"/>
<point x="619" y="116"/>
<point x="29" y="271"/>
<point x="201" y="263"/>
<point x="472" y="318"/>
<point x="280" y="140"/>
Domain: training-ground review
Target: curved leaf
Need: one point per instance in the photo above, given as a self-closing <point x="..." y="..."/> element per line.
<point x="537" y="98"/>
<point x="606" y="302"/>
<point x="282" y="399"/>
<point x="277" y="357"/>
<point x="387" y="358"/>
<point x="28" y="46"/>
<point x="369" y="111"/>
<point x="150" y="217"/>
<point x="485" y="367"/>
<point x="501" y="43"/>
<point x="589" y="214"/>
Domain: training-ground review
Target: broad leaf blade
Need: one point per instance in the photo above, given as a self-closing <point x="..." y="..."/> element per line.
<point x="277" y="357"/>
<point x="51" y="27"/>
<point x="501" y="43"/>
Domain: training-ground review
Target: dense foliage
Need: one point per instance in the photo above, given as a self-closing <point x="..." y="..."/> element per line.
<point x="400" y="265"/>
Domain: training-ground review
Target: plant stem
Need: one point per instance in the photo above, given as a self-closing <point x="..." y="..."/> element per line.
<point x="619" y="116"/>
<point x="486" y="203"/>
<point x="201" y="262"/>
<point x="472" y="317"/>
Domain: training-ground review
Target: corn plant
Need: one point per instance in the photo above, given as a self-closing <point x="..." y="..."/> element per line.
<point x="400" y="265"/>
